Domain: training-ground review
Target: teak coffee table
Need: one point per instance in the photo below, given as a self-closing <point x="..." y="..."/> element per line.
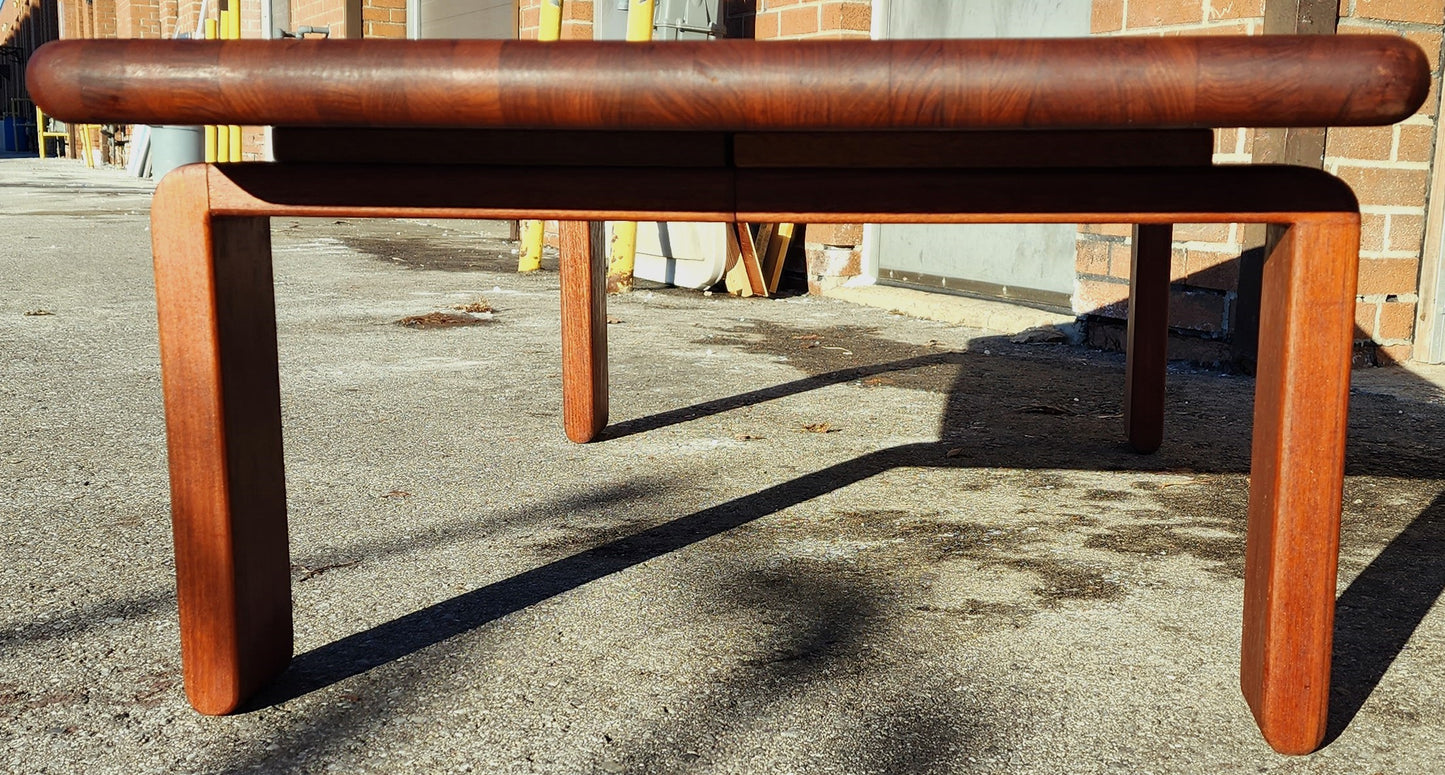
<point x="960" y="131"/>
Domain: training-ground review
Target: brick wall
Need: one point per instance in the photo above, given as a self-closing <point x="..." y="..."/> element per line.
<point x="1204" y="265"/>
<point x="1389" y="168"/>
<point x="576" y="19"/>
<point x="137" y="19"/>
<point x="330" y="14"/>
<point x="383" y="18"/>
<point x="821" y="19"/>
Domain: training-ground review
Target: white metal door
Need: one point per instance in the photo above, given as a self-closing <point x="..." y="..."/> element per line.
<point x="1024" y="262"/>
<point x="471" y="19"/>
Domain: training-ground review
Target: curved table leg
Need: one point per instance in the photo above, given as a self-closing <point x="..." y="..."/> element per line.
<point x="1297" y="475"/>
<point x="1148" y="336"/>
<point x="584" y="328"/>
<point x="223" y="426"/>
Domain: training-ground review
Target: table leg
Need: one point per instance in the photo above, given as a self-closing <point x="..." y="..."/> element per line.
<point x="584" y="328"/>
<point x="1148" y="336"/>
<point x="1301" y="397"/>
<point x="223" y="426"/>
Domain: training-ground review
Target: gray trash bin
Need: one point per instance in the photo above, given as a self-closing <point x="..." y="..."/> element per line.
<point x="175" y="146"/>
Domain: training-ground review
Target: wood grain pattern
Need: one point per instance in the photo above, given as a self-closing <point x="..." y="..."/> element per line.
<point x="1086" y="83"/>
<point x="223" y="426"/>
<point x="745" y="272"/>
<point x="502" y="147"/>
<point x="1296" y="476"/>
<point x="1148" y="336"/>
<point x="584" y="328"/>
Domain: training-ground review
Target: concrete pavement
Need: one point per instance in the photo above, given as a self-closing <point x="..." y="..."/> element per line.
<point x="819" y="537"/>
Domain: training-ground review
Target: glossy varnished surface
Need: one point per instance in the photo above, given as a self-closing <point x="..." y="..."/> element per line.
<point x="738" y="85"/>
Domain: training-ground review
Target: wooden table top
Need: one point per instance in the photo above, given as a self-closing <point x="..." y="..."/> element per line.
<point x="1087" y="83"/>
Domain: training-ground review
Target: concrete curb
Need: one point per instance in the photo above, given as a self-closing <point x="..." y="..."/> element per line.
<point x="995" y="316"/>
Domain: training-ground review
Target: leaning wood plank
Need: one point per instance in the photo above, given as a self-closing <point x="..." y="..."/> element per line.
<point x="1148" y="336"/>
<point x="735" y="85"/>
<point x="584" y="328"/>
<point x="777" y="254"/>
<point x="223" y="426"/>
<point x="1296" y="478"/>
<point x="744" y="272"/>
<point x="762" y="242"/>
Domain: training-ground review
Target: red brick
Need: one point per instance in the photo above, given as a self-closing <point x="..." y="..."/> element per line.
<point x="1236" y="9"/>
<point x="844" y="234"/>
<point x="1422" y="11"/>
<point x="1385" y="186"/>
<point x="793" y="22"/>
<point x="1107" y="16"/>
<point x="1372" y="232"/>
<point x="765" y="26"/>
<point x="1372" y="143"/>
<point x="1417" y="143"/>
<point x="1121" y="260"/>
<point x="577" y="11"/>
<point x="1407" y="232"/>
<point x="1397" y="321"/>
<point x="1164" y="12"/>
<point x="1092" y="257"/>
<point x="846" y="15"/>
<point x="1226" y="140"/>
<point x="1381" y="276"/>
<point x="1365" y="314"/>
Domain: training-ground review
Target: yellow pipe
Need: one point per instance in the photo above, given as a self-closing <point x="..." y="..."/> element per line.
<point x="223" y="136"/>
<point x="550" y="25"/>
<point x="529" y="259"/>
<point x="639" y="20"/>
<point x="624" y="233"/>
<point x="210" y="129"/>
<point x="40" y="131"/>
<point x="235" y="131"/>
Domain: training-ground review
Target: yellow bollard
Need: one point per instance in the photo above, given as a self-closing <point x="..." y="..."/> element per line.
<point x="529" y="258"/>
<point x="639" y="20"/>
<point x="624" y="233"/>
<point x="40" y="131"/>
<point x="210" y="129"/>
<point x="235" y="131"/>
<point x="533" y="234"/>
